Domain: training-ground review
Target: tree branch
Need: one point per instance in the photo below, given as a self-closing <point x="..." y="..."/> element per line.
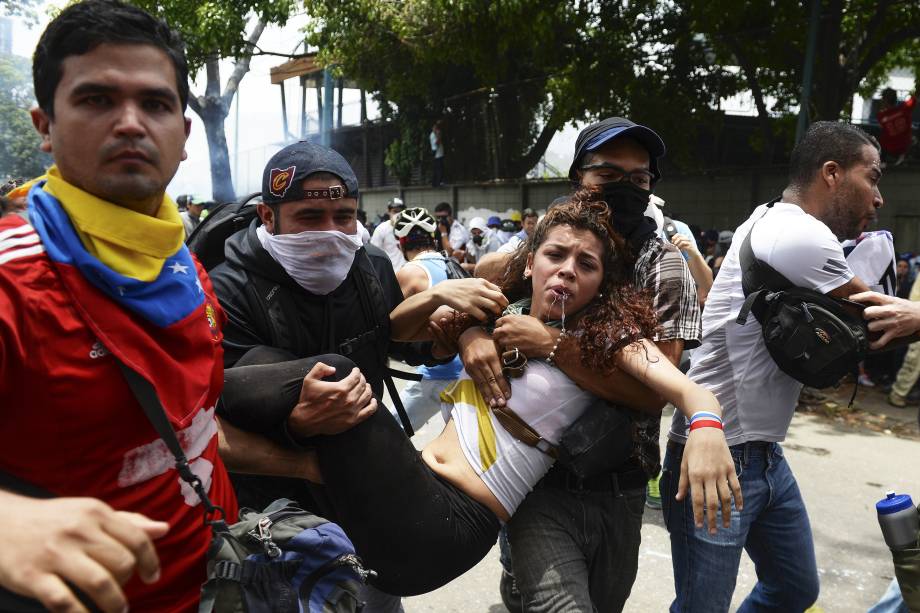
<point x="530" y="159"/>
<point x="868" y="32"/>
<point x="241" y="67"/>
<point x="194" y="103"/>
<point x="212" y="85"/>
<point x="875" y="53"/>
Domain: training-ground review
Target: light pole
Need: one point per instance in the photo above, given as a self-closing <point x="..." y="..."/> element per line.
<point x="809" y="69"/>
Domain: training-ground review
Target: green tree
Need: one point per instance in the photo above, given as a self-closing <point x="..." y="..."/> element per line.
<point x="212" y="31"/>
<point x="505" y="75"/>
<point x="19" y="154"/>
<point x="859" y="42"/>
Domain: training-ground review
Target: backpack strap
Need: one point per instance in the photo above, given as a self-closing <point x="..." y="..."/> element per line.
<point x="380" y="331"/>
<point x="147" y="397"/>
<point x="755" y="273"/>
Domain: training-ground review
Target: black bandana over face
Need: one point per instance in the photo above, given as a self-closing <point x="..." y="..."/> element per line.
<point x="628" y="203"/>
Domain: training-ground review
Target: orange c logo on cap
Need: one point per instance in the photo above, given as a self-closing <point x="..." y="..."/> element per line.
<point x="280" y="180"/>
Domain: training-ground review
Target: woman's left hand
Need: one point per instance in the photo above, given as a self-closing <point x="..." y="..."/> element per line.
<point x="528" y="334"/>
<point x="708" y="471"/>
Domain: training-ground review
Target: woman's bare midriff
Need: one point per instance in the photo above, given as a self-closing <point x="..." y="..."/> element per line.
<point x="445" y="457"/>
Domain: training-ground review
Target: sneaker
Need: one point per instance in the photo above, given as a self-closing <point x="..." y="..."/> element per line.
<point x="511" y="597"/>
<point x="653" y="494"/>
<point x="897" y="400"/>
<point x="865" y="381"/>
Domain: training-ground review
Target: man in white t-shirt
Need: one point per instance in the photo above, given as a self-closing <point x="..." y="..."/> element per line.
<point x="832" y="195"/>
<point x="384" y="238"/>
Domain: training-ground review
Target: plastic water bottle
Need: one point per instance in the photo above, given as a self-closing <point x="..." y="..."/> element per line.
<point x="899" y="519"/>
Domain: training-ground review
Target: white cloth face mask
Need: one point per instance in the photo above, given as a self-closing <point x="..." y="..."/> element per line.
<point x="317" y="260"/>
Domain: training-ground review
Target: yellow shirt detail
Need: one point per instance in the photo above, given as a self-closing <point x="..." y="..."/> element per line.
<point x="464" y="391"/>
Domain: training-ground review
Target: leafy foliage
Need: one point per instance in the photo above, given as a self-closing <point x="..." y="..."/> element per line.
<point x="507" y="74"/>
<point x="19" y="154"/>
<point x="217" y="29"/>
<point x="498" y="71"/>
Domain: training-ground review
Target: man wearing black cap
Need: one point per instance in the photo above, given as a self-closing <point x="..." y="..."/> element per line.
<point x="298" y="283"/>
<point x="575" y="542"/>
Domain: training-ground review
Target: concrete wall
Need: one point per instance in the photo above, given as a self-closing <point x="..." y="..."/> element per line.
<point x="720" y="200"/>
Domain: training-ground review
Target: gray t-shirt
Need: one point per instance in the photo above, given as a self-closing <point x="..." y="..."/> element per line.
<point x="757" y="398"/>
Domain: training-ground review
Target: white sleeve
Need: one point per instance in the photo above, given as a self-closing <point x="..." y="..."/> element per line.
<point x="377" y="238"/>
<point x="803" y="250"/>
<point x="458" y="236"/>
<point x="511" y="246"/>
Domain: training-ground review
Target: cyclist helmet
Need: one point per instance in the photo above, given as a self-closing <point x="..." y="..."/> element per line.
<point x="413" y="218"/>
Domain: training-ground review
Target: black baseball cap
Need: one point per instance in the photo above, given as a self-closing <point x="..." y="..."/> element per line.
<point x="597" y="134"/>
<point x="282" y="179"/>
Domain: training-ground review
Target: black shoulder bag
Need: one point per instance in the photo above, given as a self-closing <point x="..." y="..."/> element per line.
<point x="812" y="337"/>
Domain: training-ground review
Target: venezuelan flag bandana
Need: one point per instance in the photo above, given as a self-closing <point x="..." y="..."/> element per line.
<point x="122" y="270"/>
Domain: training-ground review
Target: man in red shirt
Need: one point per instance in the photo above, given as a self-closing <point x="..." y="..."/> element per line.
<point x="100" y="275"/>
<point x="895" y="121"/>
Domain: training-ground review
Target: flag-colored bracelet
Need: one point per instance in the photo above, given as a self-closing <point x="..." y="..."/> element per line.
<point x="705" y="419"/>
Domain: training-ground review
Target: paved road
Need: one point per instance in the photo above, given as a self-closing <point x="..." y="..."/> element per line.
<point x="841" y="471"/>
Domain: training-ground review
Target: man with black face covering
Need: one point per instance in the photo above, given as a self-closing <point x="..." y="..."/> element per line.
<point x="575" y="542"/>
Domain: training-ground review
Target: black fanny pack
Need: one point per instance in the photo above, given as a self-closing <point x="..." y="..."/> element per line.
<point x="814" y="338"/>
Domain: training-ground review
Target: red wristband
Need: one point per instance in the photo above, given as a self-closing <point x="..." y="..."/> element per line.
<point x="705" y="423"/>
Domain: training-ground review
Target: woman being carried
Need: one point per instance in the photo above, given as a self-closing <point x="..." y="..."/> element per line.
<point x="422" y="519"/>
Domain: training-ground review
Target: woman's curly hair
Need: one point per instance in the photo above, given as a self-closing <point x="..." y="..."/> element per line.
<point x="620" y="314"/>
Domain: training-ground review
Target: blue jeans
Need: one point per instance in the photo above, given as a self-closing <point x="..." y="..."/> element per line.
<point x="773" y="528"/>
<point x="891" y="601"/>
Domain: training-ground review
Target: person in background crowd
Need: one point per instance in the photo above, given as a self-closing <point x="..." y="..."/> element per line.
<point x="481" y="242"/>
<point x="832" y="194"/>
<point x="882" y="368"/>
<point x="383" y="237"/>
<point x="680" y="235"/>
<point x="895" y="120"/>
<point x="710" y="246"/>
<point x="904" y="280"/>
<point x="454" y="235"/>
<point x="509" y="227"/>
<point x="362" y="226"/>
<point x="910" y="369"/>
<point x="191" y="208"/>
<point x="12" y="204"/>
<point x="495" y="224"/>
<point x="516" y="218"/>
<point x="98" y="278"/>
<point x="528" y="223"/>
<point x="437" y="150"/>
<point x="529" y="219"/>
<point x="417" y="232"/>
